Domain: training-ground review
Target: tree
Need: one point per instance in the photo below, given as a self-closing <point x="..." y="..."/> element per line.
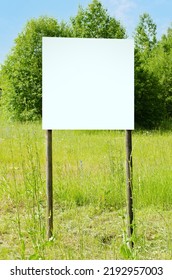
<point x="21" y="74"/>
<point x="145" y="35"/>
<point x="94" y="22"/>
<point x="149" y="104"/>
<point x="160" y="63"/>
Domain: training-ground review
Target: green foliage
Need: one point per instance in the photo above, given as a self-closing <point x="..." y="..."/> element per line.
<point x="145" y="35"/>
<point x="94" y="22"/>
<point x="21" y="73"/>
<point x="161" y="65"/>
<point x="149" y="104"/>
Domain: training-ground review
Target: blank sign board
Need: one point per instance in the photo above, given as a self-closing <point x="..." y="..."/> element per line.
<point x="88" y="83"/>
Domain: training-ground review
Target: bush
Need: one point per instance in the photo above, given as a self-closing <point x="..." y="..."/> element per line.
<point x="21" y="73"/>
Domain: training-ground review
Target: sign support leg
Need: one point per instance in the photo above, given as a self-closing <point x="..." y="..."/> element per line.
<point x="129" y="186"/>
<point x="49" y="183"/>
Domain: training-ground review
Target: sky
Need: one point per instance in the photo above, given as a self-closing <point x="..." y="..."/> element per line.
<point x="14" y="15"/>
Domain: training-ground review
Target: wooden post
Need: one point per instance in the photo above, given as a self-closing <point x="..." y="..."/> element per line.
<point x="49" y="183"/>
<point x="129" y="186"/>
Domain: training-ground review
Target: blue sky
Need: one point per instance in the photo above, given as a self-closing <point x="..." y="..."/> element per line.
<point x="15" y="14"/>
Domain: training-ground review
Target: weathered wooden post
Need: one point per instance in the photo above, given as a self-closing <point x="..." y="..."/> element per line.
<point x="129" y="186"/>
<point x="49" y="183"/>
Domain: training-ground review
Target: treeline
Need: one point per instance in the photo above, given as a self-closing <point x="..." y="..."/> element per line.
<point x="153" y="75"/>
<point x="21" y="73"/>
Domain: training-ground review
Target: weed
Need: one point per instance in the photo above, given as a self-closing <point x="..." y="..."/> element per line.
<point x="89" y="194"/>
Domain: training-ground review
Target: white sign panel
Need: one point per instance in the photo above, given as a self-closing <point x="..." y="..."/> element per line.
<point x="88" y="83"/>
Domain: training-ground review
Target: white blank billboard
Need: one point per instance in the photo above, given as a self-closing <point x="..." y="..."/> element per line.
<point x="88" y="83"/>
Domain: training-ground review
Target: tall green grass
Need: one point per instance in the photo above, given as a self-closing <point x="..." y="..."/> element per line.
<point x="89" y="194"/>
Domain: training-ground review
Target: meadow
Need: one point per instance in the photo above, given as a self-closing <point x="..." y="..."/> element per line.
<point x="89" y="194"/>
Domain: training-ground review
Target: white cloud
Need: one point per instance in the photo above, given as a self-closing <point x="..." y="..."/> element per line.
<point x="128" y="12"/>
<point x="120" y="8"/>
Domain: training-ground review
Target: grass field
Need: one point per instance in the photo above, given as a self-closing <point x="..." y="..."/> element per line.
<point x="89" y="194"/>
